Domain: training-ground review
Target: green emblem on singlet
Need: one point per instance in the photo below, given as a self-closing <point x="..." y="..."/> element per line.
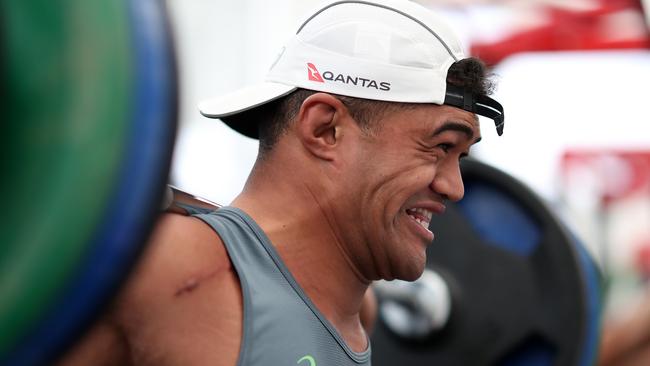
<point x="309" y="358"/>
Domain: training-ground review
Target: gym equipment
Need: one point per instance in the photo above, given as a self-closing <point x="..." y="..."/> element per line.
<point x="182" y="202"/>
<point x="522" y="290"/>
<point x="54" y="117"/>
<point x="92" y="119"/>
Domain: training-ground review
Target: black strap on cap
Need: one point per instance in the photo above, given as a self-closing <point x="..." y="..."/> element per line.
<point x="482" y="105"/>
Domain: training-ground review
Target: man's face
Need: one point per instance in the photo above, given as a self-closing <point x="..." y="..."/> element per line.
<point x="400" y="178"/>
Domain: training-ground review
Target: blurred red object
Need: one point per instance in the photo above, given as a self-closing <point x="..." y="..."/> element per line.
<point x="613" y="24"/>
<point x="618" y="173"/>
<point x="643" y="259"/>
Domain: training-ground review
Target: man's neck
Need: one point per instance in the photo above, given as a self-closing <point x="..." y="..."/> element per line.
<point x="298" y="227"/>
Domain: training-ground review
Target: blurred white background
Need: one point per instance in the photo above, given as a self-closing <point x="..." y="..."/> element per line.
<point x="555" y="102"/>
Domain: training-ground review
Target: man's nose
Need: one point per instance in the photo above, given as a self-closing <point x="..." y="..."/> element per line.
<point x="449" y="183"/>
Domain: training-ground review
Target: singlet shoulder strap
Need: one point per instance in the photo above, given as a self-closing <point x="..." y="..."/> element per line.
<point x="262" y="272"/>
<point x="249" y="260"/>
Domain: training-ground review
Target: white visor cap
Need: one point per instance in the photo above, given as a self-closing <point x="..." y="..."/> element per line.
<point x="388" y="50"/>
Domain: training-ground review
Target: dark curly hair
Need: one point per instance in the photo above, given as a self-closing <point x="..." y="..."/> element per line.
<point x="275" y="117"/>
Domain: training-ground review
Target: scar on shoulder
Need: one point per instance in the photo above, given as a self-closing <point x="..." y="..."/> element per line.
<point x="194" y="282"/>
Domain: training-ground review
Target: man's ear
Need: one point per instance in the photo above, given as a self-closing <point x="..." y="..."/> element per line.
<point x="320" y="124"/>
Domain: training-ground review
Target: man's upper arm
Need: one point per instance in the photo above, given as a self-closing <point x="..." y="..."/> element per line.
<point x="103" y="344"/>
<point x="176" y="249"/>
<point x="180" y="248"/>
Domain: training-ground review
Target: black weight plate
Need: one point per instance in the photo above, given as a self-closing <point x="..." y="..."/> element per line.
<point x="519" y="296"/>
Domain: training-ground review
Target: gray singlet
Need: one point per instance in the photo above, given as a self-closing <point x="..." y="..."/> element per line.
<point x="282" y="327"/>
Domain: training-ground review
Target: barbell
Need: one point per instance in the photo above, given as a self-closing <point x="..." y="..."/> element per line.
<point x="91" y="119"/>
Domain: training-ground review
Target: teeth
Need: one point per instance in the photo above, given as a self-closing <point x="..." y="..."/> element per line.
<point x="421" y="213"/>
<point x="428" y="214"/>
<point x="424" y="224"/>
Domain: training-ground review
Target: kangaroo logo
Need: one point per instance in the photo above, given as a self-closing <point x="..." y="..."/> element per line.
<point x="309" y="359"/>
<point x="314" y="75"/>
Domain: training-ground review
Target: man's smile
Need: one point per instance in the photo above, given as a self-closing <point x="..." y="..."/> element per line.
<point x="421" y="215"/>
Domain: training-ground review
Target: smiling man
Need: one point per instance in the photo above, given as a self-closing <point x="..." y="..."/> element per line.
<point x="362" y="122"/>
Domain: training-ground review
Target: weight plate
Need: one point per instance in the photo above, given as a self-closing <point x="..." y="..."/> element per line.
<point x="594" y="286"/>
<point x="135" y="198"/>
<point x="66" y="70"/>
<point x="520" y="294"/>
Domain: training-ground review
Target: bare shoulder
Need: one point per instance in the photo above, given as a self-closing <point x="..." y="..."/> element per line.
<point x="181" y="304"/>
<point x="184" y="285"/>
<point x="180" y="245"/>
<point x="182" y="253"/>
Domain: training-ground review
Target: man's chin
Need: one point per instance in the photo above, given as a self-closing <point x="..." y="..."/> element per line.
<point x="412" y="275"/>
<point x="410" y="272"/>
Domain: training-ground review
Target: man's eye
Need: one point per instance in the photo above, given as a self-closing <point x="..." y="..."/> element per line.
<point x="445" y="147"/>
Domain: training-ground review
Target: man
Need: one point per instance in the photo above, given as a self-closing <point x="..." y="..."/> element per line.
<point x="362" y="122"/>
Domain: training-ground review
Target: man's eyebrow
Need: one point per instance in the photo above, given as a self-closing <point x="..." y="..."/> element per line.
<point x="456" y="126"/>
